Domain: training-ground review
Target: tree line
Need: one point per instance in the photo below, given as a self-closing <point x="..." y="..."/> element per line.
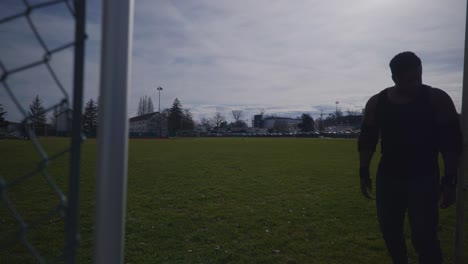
<point x="177" y="118"/>
<point x="43" y="125"/>
<point x="338" y="118"/>
<point x="218" y="122"/>
<point x="3" y="122"/>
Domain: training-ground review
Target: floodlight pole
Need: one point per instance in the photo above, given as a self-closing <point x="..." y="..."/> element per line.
<point x="159" y="103"/>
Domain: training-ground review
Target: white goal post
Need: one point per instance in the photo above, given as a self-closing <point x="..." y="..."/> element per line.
<point x="462" y="175"/>
<point x="112" y="137"/>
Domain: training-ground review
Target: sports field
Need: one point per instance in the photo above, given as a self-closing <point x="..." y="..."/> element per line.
<point x="215" y="200"/>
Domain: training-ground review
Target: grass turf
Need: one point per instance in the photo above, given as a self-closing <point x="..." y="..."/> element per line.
<point x="214" y="200"/>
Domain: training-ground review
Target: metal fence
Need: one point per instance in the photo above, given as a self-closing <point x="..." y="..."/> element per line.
<point x="64" y="208"/>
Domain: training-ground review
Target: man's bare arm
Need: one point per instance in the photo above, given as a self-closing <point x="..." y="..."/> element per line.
<point x="366" y="145"/>
<point x="369" y="136"/>
<point x="449" y="132"/>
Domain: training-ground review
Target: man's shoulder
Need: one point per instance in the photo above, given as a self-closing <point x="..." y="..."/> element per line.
<point x="438" y="95"/>
<point x="372" y="102"/>
<point x="375" y="98"/>
<point x="436" y="91"/>
<point x="442" y="102"/>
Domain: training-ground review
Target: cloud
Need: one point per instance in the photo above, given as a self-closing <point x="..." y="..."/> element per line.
<point x="20" y="47"/>
<point x="306" y="52"/>
<point x="292" y="55"/>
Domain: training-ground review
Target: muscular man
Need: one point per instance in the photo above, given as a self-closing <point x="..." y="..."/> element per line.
<point x="414" y="122"/>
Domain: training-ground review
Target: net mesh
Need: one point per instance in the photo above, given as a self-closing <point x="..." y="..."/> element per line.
<point x="32" y="217"/>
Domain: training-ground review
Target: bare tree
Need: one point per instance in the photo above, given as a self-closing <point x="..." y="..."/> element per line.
<point x="352" y="113"/>
<point x="149" y="106"/>
<point x="262" y="111"/>
<point x="206" y="123"/>
<point x="218" y="119"/>
<point x="238" y="123"/>
<point x="237" y="114"/>
<point x="145" y="106"/>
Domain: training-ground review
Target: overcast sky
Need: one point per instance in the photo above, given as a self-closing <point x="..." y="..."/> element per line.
<point x="288" y="57"/>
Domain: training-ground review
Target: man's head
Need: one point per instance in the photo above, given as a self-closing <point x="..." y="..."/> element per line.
<point x="406" y="72"/>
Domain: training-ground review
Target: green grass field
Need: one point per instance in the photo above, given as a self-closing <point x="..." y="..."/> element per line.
<point x="215" y="200"/>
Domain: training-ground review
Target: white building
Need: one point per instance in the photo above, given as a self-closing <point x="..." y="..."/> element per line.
<point x="63" y="119"/>
<point x="282" y="123"/>
<point x="149" y="123"/>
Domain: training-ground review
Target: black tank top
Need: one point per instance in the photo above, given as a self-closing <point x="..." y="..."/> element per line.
<point x="408" y="133"/>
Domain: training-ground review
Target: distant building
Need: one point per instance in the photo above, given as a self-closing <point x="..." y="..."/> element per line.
<point x="12" y="128"/>
<point x="279" y="124"/>
<point x="64" y="122"/>
<point x="340" y="128"/>
<point x="154" y="123"/>
<point x="282" y="123"/>
<point x="257" y="121"/>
